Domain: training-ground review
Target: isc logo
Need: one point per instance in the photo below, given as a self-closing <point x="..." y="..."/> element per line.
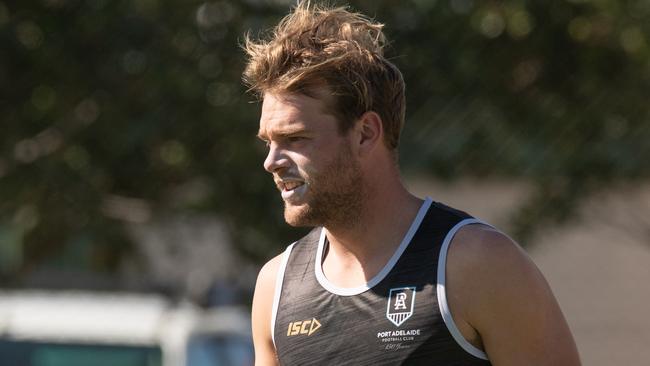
<point x="304" y="327"/>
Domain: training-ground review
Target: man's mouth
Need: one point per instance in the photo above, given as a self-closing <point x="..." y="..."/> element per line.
<point x="290" y="185"/>
<point x="292" y="190"/>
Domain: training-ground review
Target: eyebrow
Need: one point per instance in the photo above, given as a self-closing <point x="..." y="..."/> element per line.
<point x="281" y="133"/>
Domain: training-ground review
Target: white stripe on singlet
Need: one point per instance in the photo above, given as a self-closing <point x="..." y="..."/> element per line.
<point x="442" y="292"/>
<point x="278" y="288"/>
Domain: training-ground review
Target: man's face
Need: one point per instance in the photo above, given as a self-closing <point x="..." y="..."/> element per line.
<point x="311" y="162"/>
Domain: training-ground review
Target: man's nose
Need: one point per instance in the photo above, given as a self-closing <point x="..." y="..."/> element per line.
<point x="275" y="159"/>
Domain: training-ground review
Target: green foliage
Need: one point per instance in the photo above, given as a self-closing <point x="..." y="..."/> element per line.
<point x="118" y="111"/>
<point x="552" y="92"/>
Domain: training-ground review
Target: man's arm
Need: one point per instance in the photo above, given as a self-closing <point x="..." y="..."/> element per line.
<point x="261" y="315"/>
<point x="502" y="304"/>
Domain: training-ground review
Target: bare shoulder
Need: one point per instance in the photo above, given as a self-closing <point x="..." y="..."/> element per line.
<point x="265" y="290"/>
<point x="262" y="312"/>
<point x="502" y="302"/>
<point x="268" y="273"/>
<point x="482" y="250"/>
<point x="490" y="268"/>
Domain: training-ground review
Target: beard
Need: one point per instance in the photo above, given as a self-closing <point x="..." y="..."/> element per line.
<point x="336" y="195"/>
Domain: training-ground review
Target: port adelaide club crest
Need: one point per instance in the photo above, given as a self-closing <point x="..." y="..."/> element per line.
<point x="400" y="304"/>
<point x="401" y="301"/>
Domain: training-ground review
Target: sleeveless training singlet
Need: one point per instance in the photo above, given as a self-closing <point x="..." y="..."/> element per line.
<point x="400" y="317"/>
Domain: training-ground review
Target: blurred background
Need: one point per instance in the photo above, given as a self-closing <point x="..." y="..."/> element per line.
<point x="130" y="172"/>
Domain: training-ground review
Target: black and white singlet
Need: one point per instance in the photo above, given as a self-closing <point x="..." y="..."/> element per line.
<point x="400" y="317"/>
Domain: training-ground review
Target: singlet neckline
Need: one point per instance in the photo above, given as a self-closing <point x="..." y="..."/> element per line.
<point x="351" y="291"/>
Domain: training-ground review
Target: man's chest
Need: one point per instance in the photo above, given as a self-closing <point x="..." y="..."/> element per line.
<point x="388" y="324"/>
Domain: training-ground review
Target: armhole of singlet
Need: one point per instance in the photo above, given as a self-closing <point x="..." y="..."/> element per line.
<point x="442" y="292"/>
<point x="278" y="289"/>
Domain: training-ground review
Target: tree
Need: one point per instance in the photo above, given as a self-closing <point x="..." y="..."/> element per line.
<point x="117" y="112"/>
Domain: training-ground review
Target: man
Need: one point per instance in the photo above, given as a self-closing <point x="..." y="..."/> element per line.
<point x="385" y="277"/>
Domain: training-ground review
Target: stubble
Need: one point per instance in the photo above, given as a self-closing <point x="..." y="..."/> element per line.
<point x="337" y="194"/>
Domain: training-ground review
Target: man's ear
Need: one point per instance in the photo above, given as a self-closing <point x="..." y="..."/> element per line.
<point x="370" y="132"/>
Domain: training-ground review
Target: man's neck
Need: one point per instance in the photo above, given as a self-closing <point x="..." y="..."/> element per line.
<point x="358" y="253"/>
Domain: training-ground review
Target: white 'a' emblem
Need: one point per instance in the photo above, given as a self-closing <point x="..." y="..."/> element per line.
<point x="400" y="304"/>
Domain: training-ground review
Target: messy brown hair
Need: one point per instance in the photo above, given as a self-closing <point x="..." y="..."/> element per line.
<point x="319" y="46"/>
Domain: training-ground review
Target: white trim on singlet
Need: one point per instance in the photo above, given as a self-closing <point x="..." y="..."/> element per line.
<point x="278" y="288"/>
<point x="351" y="291"/>
<point x="442" y="292"/>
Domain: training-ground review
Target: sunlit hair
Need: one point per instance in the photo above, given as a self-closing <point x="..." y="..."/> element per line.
<point x="317" y="45"/>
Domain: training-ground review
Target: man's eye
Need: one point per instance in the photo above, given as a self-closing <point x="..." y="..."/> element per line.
<point x="295" y="138"/>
